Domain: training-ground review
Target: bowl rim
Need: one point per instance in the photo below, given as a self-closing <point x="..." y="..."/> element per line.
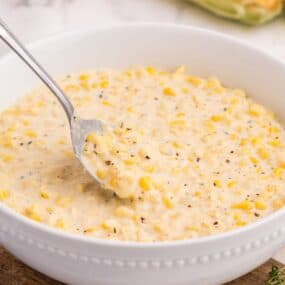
<point x="74" y="237"/>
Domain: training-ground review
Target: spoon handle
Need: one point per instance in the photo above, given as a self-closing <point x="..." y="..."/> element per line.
<point x="8" y="37"/>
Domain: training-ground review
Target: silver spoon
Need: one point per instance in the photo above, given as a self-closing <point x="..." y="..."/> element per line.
<point x="79" y="129"/>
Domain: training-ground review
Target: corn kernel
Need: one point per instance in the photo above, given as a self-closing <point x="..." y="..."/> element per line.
<point x="130" y="109"/>
<point x="94" y="85"/>
<point x="217" y="118"/>
<point x="106" y="103"/>
<point x="61" y="141"/>
<point x="198" y="194"/>
<point x="123" y="211"/>
<point x="276" y="143"/>
<point x="63" y="202"/>
<point x="49" y="210"/>
<point x="12" y="128"/>
<point x="7" y="157"/>
<point x="255" y="110"/>
<point x="60" y="224"/>
<point x="89" y="230"/>
<point x="33" y="214"/>
<point x="109" y="225"/>
<point x="31" y="134"/>
<point x="84" y="76"/>
<point x="114" y="182"/>
<point x="232" y="184"/>
<point x="260" y="205"/>
<point x="101" y="174"/>
<point x="158" y="228"/>
<point x="158" y="186"/>
<point x="84" y="85"/>
<point x="263" y="153"/>
<point x="243" y="142"/>
<point x="194" y="80"/>
<point x="244" y="205"/>
<point x="271" y="188"/>
<point x="236" y="216"/>
<point x="81" y="187"/>
<point x="241" y="223"/>
<point x="277" y="204"/>
<point x="6" y="141"/>
<point x="41" y="104"/>
<point x="129" y="162"/>
<point x="129" y="73"/>
<point x="256" y="141"/>
<point x="69" y="153"/>
<point x="4" y="194"/>
<point x="44" y="195"/>
<point x="145" y="183"/>
<point x="219" y="90"/>
<point x="168" y="202"/>
<point x="254" y="160"/>
<point x="177" y="144"/>
<point x="104" y="84"/>
<point x="185" y="90"/>
<point x="178" y="123"/>
<point x="150" y="168"/>
<point x="92" y="137"/>
<point x="234" y="101"/>
<point x="278" y="172"/>
<point x="217" y="183"/>
<point x="150" y="70"/>
<point x="180" y="114"/>
<point x="274" y="130"/>
<point x="169" y="91"/>
<point x="213" y="83"/>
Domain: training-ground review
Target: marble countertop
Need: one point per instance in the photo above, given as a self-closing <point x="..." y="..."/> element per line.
<point x="36" y="19"/>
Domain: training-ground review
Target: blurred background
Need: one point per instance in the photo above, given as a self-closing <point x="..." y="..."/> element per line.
<point x="36" y="19"/>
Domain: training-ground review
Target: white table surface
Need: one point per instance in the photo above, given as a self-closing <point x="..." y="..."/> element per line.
<point x="36" y="19"/>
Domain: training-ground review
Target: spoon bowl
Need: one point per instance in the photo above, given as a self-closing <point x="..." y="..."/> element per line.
<point x="79" y="131"/>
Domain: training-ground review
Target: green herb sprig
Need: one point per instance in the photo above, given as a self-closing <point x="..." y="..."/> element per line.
<point x="276" y="276"/>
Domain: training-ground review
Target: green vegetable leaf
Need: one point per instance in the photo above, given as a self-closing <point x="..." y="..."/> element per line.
<point x="244" y="11"/>
<point x="276" y="276"/>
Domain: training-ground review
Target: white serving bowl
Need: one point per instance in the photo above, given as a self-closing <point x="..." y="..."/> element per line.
<point x="80" y="260"/>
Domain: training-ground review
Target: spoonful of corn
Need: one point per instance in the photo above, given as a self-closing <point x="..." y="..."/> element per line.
<point x="79" y="129"/>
